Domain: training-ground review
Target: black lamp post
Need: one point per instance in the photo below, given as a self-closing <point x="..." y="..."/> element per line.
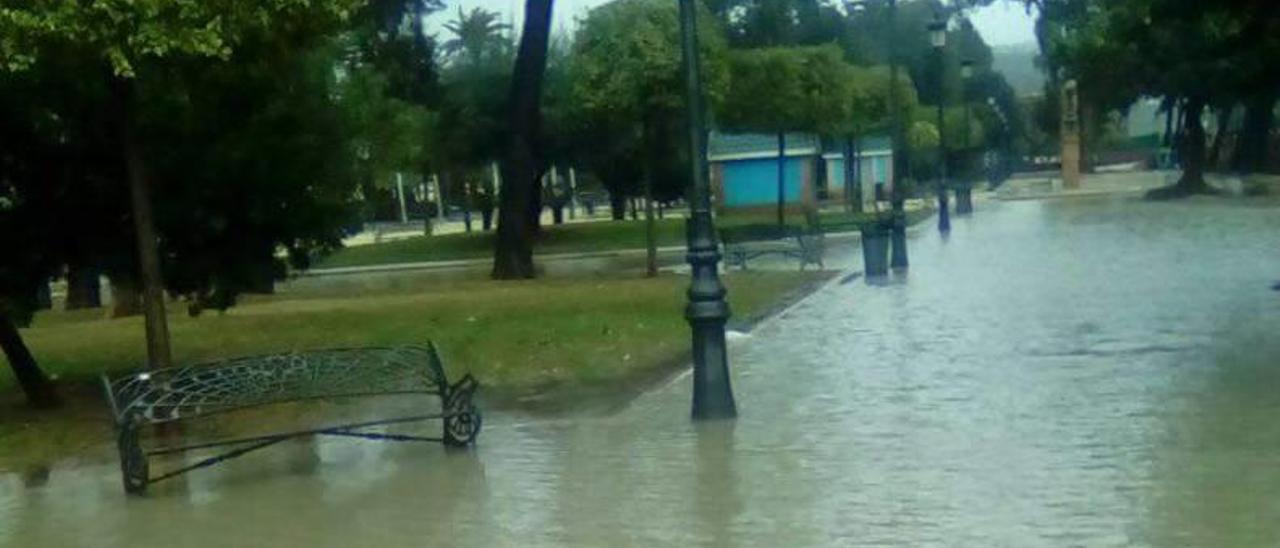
<point x="898" y="239"/>
<point x="707" y="310"/>
<point x="938" y="37"/>
<point x="964" y="191"/>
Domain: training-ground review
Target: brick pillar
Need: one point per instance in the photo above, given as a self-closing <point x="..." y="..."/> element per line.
<point x="808" y="190"/>
<point x="1070" y="135"/>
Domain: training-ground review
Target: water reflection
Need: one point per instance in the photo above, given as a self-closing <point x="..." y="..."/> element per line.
<point x="1087" y="373"/>
<point x="717" y="499"/>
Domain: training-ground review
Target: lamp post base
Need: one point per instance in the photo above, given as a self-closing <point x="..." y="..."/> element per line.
<point x="964" y="200"/>
<point x="712" y="391"/>
<point x="898" y="240"/>
<point x="944" y="212"/>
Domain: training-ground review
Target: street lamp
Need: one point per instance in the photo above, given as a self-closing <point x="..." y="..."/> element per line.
<point x="707" y="310"/>
<point x="898" y="234"/>
<point x="938" y="37"/>
<point x="898" y="238"/>
<point x="964" y="190"/>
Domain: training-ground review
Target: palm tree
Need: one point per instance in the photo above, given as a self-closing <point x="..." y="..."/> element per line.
<point x="476" y="34"/>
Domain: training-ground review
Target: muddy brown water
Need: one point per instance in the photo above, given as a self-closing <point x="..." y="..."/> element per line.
<point x="1101" y="372"/>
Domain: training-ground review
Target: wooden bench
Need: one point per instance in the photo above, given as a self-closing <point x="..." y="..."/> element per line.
<point x="170" y="395"/>
<point x="747" y="242"/>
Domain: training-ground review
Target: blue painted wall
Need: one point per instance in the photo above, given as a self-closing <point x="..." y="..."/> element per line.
<point x="874" y="170"/>
<point x="749" y="183"/>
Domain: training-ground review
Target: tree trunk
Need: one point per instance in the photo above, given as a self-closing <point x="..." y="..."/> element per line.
<point x="84" y="290"/>
<point x="1170" y="107"/>
<point x="537" y="201"/>
<point x="486" y="218"/>
<point x="513" y="253"/>
<point x="1193" y="153"/>
<point x="1088" y="126"/>
<point x="650" y="231"/>
<point x="1251" y="147"/>
<point x="1191" y="144"/>
<point x="37" y="387"/>
<point x="782" y="178"/>
<point x="618" y="206"/>
<point x="157" y="326"/>
<point x="635" y="209"/>
<point x="858" y="182"/>
<point x="1219" y="137"/>
<point x="847" y="153"/>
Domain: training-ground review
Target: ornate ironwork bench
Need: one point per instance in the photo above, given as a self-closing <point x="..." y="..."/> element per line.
<point x="743" y="243"/>
<point x="177" y="394"/>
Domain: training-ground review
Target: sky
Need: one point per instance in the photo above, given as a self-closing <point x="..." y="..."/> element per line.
<point x="1002" y="23"/>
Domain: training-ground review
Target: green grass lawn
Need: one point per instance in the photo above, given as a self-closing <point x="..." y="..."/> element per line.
<point x="530" y="343"/>
<point x="567" y="238"/>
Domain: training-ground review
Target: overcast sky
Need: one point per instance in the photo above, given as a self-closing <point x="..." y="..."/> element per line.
<point x="1000" y="24"/>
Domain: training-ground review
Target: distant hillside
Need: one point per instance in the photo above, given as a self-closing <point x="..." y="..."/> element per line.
<point x="1018" y="64"/>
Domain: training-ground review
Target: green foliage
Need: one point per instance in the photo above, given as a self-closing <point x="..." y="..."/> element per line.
<point x="812" y="89"/>
<point x="471" y="126"/>
<point x="387" y="134"/>
<point x="275" y="181"/>
<point x="125" y="32"/>
<point x="239" y="125"/>
<point x="626" y="86"/>
<point x="765" y="94"/>
<point x="626" y="60"/>
<point x="1123" y="49"/>
<point x="774" y="23"/>
<point x="477" y="35"/>
<point x="871" y="89"/>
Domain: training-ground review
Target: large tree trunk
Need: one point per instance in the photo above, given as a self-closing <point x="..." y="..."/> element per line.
<point x="31" y="379"/>
<point x="847" y="152"/>
<point x="1219" y="137"/>
<point x="1192" y="153"/>
<point x="537" y="201"/>
<point x="650" y="231"/>
<point x="618" y="206"/>
<point x="1088" y="129"/>
<point x="157" y="326"/>
<point x="84" y="290"/>
<point x="1251" y="147"/>
<point x="782" y="178"/>
<point x="1193" y="147"/>
<point x="513" y="254"/>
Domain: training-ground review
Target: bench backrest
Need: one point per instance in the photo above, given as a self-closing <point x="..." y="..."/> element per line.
<point x="758" y="233"/>
<point x="177" y="393"/>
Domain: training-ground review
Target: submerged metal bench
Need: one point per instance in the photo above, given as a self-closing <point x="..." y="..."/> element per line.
<point x="747" y="242"/>
<point x="182" y="393"/>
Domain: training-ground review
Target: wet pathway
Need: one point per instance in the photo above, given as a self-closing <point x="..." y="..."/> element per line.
<point x="1085" y="372"/>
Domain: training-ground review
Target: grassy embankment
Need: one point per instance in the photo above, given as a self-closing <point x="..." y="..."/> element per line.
<point x="544" y="344"/>
<point x="567" y="238"/>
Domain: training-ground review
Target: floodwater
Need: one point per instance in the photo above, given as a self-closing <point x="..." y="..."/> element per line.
<point x="1098" y="372"/>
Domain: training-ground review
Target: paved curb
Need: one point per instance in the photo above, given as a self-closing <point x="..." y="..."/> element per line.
<point x="484" y="263"/>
